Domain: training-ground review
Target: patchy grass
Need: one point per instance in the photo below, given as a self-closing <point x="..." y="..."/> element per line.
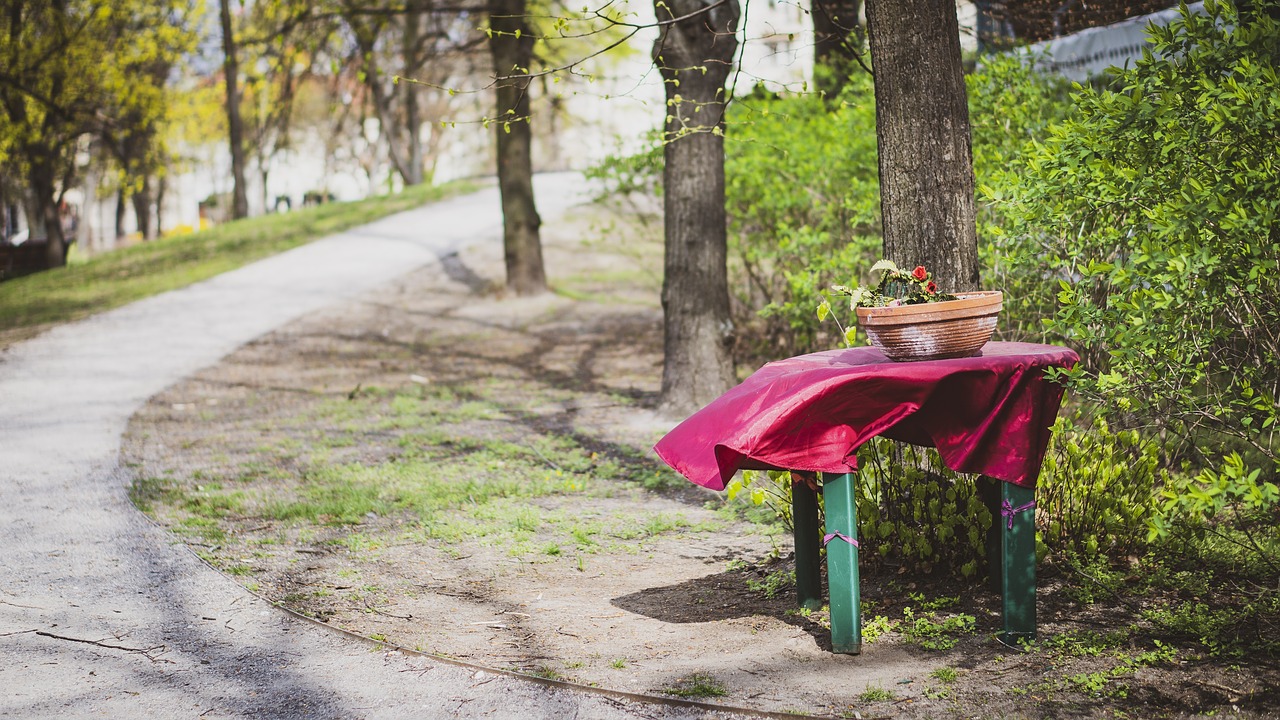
<point x="697" y="686"/>
<point x="875" y="693"/>
<point x="28" y="304"/>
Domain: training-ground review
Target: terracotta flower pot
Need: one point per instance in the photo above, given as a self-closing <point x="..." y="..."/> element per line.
<point x="933" y="331"/>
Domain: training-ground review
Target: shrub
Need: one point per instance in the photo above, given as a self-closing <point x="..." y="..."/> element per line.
<point x="803" y="195"/>
<point x="1011" y="106"/>
<point x="1095" y="488"/>
<point x="1155" y="208"/>
<point x="913" y="512"/>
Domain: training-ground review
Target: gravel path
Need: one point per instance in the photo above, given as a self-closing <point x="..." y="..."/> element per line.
<point x="103" y="614"/>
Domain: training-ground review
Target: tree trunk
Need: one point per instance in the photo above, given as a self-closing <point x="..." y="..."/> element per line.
<point x="387" y="125"/>
<point x="122" y="201"/>
<point x="45" y="212"/>
<point x="838" y="38"/>
<point x="142" y="210"/>
<point x="161" y="186"/>
<point x="412" y="114"/>
<point x="235" y="125"/>
<point x="520" y="222"/>
<point x="922" y="125"/>
<point x="695" y="56"/>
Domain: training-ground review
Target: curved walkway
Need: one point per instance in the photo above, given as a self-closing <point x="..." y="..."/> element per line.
<point x="102" y="614"/>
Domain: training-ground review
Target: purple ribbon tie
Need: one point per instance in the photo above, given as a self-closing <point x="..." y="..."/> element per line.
<point x="826" y="539"/>
<point x="1008" y="510"/>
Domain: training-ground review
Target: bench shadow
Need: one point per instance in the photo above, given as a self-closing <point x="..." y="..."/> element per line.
<point x="722" y="596"/>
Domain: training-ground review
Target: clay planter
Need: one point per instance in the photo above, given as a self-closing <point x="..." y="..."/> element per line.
<point x="933" y="331"/>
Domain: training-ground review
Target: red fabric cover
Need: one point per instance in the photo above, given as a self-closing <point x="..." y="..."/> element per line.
<point x="988" y="414"/>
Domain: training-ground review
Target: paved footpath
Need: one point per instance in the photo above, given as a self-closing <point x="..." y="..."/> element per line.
<point x="102" y="614"/>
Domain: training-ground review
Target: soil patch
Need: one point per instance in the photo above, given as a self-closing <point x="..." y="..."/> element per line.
<point x="454" y="471"/>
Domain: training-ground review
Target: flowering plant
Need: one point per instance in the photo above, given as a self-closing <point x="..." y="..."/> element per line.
<point x="896" y="287"/>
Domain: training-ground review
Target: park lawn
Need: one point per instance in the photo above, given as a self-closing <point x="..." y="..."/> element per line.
<point x="29" y="305"/>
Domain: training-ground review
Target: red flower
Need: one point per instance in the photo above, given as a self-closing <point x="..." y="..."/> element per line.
<point x="919" y="273"/>
<point x="933" y="289"/>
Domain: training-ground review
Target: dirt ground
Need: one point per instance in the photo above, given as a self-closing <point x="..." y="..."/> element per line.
<point x="594" y="564"/>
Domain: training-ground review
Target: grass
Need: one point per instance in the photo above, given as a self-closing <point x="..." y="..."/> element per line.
<point x="697" y="686"/>
<point x="933" y="633"/>
<point x="449" y="477"/>
<point x="875" y="693"/>
<point x="85" y="287"/>
<point x="945" y="674"/>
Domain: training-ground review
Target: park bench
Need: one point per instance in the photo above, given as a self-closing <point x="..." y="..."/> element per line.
<point x="988" y="415"/>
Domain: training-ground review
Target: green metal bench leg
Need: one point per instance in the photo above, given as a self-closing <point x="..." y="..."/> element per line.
<point x="842" y="563"/>
<point x="1018" y="549"/>
<point x="804" y="515"/>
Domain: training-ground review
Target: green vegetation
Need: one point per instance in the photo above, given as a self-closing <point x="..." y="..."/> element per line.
<point x="875" y="693"/>
<point x="1133" y="220"/>
<point x="773" y="583"/>
<point x="450" y="478"/>
<point x="114" y="279"/>
<point x="945" y="674"/>
<point x="697" y="686"/>
<point x="931" y="631"/>
<point x="547" y="673"/>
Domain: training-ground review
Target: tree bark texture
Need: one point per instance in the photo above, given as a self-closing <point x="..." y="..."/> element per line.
<point x="838" y="39"/>
<point x="922" y="126"/>
<point x="122" y="207"/>
<point x="522" y="244"/>
<point x="695" y="56"/>
<point x="235" y="124"/>
<point x="42" y="176"/>
<point x="412" y="113"/>
<point x="142" y="210"/>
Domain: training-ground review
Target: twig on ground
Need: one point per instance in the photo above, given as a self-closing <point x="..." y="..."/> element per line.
<point x="373" y="609"/>
<point x="145" y="652"/>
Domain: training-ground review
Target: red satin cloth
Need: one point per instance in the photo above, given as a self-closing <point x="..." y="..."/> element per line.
<point x="988" y="414"/>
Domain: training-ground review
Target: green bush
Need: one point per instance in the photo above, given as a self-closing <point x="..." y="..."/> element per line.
<point x="803" y="197"/>
<point x="1155" y="208"/>
<point x="1011" y="106"/>
<point x="1095" y="488"/>
<point x="913" y="512"/>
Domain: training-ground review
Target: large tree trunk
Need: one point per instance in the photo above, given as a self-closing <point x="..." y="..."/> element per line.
<point x="520" y="222"/>
<point x="235" y="125"/>
<point x="922" y="124"/>
<point x="695" y="56"/>
<point x="838" y="38"/>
